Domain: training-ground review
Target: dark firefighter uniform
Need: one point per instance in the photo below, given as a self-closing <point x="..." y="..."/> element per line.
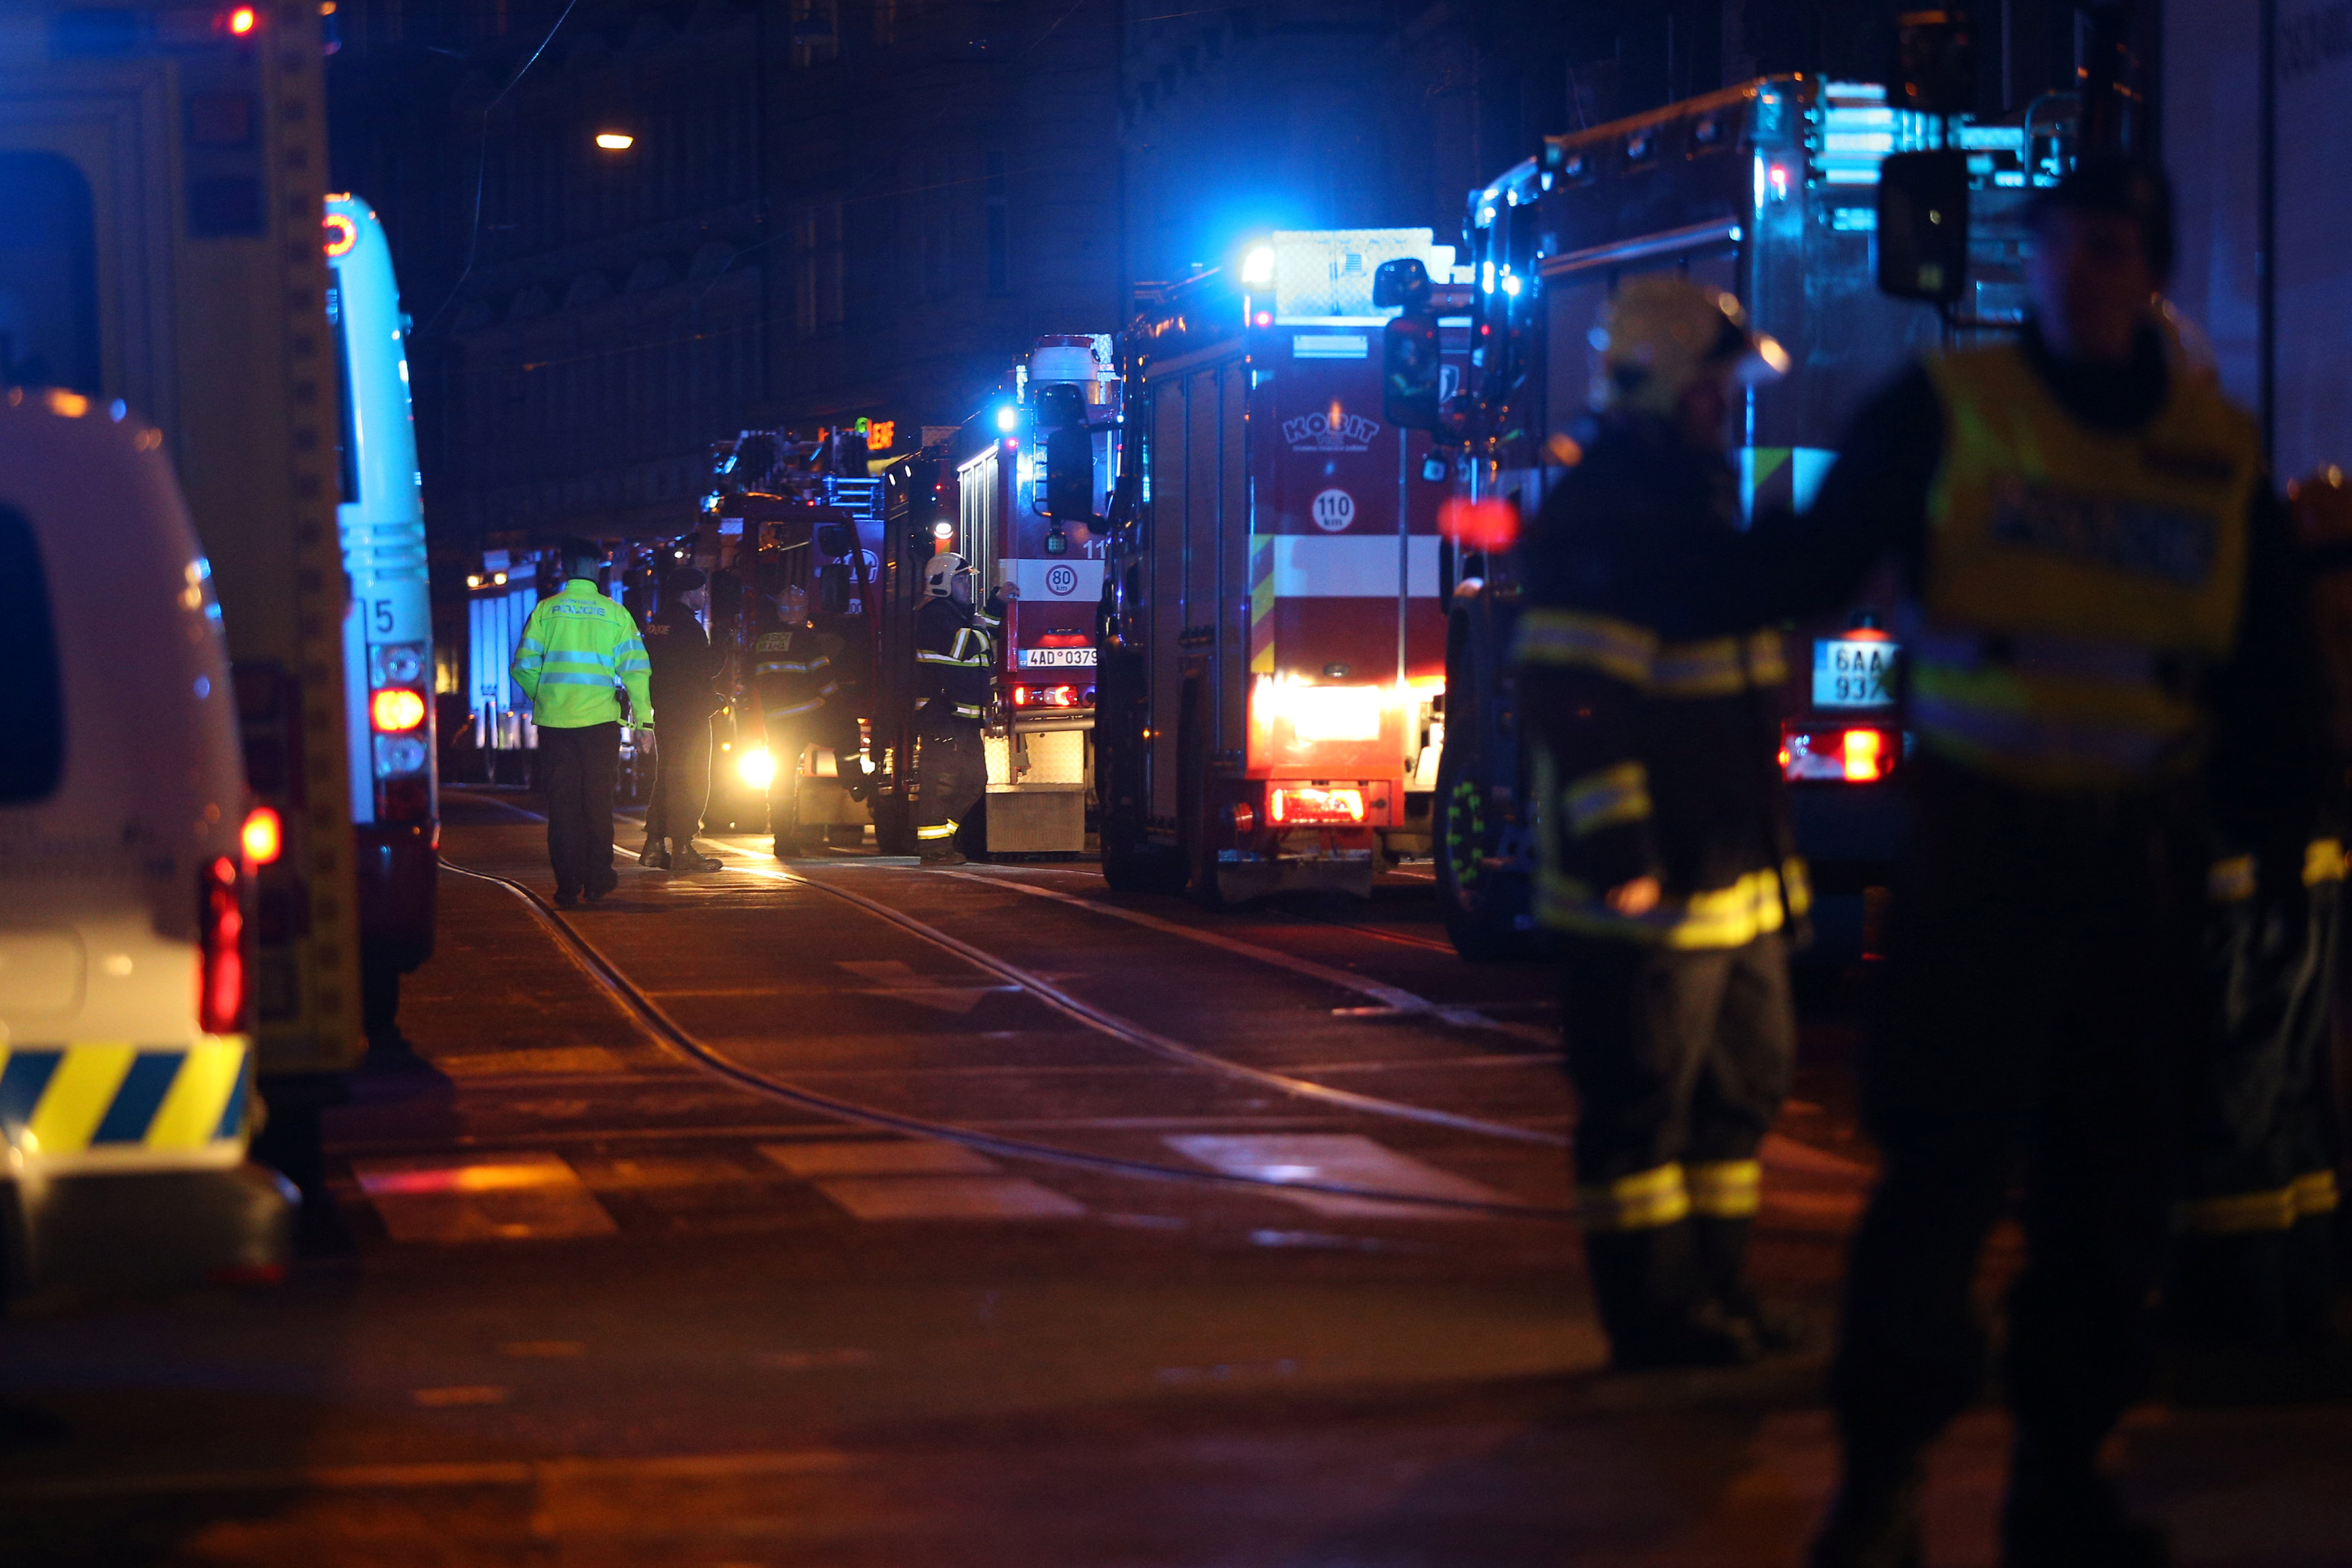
<point x="685" y="665"/>
<point x="1655" y="757"/>
<point x="792" y="673"/>
<point x="955" y="663"/>
<point x="2256" y="1261"/>
<point x="2100" y="601"/>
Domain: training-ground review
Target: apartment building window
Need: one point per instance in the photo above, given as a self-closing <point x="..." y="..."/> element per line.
<point x="1000" y="223"/>
<point x="816" y="31"/>
<point x="816" y="267"/>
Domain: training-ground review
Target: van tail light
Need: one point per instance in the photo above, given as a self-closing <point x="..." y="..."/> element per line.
<point x="222" y="972"/>
<point x="264" y="838"/>
<point x="1846" y="753"/>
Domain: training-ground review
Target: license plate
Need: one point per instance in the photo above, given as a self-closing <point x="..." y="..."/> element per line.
<point x="1854" y="672"/>
<point x="1057" y="658"/>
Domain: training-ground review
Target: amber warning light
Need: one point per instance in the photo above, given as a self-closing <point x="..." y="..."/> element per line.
<point x="263" y="837"/>
<point x="240" y="22"/>
<point x="341" y="235"/>
<point x="395" y="709"/>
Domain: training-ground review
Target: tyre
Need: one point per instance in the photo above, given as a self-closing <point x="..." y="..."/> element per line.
<point x="894" y="825"/>
<point x="1479" y="913"/>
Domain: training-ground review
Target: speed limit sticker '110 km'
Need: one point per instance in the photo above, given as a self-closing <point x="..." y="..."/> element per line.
<point x="1334" y="510"/>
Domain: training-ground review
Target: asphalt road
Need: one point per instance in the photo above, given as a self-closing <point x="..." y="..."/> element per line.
<point x="845" y="1213"/>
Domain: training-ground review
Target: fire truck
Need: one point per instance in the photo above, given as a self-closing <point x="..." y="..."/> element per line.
<point x="1031" y="513"/>
<point x="1768" y="191"/>
<point x="1269" y="712"/>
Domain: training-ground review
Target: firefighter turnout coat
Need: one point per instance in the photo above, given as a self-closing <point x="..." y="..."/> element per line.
<point x="792" y="672"/>
<point x="955" y="660"/>
<point x="1657" y="734"/>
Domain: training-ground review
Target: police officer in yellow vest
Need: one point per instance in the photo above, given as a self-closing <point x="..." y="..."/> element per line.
<point x="2106" y="661"/>
<point x="579" y="650"/>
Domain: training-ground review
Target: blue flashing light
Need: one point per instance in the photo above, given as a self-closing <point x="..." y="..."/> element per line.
<point x="1008" y="419"/>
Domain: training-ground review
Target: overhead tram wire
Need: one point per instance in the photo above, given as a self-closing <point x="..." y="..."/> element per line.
<point x="650" y="1017"/>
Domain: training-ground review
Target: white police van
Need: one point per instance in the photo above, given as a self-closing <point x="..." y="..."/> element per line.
<point x="126" y="863"/>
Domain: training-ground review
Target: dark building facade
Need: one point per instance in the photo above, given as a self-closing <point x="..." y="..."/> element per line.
<point x="824" y="210"/>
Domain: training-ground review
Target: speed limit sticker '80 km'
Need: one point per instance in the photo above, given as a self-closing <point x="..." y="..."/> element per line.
<point x="1334" y="510"/>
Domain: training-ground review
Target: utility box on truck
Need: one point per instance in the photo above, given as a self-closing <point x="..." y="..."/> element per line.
<point x="1062" y="428"/>
<point x="1267" y="710"/>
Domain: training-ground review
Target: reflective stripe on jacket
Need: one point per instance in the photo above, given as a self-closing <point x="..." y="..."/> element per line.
<point x="955" y="656"/>
<point x="2078" y="583"/>
<point x="792" y="671"/>
<point x="576" y="649"/>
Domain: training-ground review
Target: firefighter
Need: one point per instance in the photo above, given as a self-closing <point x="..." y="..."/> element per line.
<point x="955" y="663"/>
<point x="577" y="647"/>
<point x="684" y="665"/>
<point x="1667" y="849"/>
<point x="793" y="676"/>
<point x="2106" y="662"/>
<point x="2256" y="1259"/>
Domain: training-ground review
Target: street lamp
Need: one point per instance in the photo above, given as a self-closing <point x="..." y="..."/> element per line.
<point x="616" y="140"/>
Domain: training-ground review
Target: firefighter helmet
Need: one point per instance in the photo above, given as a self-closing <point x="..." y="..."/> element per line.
<point x="939" y="574"/>
<point x="1660" y="335"/>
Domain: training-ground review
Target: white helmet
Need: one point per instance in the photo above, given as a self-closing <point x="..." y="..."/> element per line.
<point x="940" y="573"/>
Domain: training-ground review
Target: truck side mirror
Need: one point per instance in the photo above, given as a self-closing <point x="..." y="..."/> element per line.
<point x="836" y="539"/>
<point x="1069" y="475"/>
<point x="1411" y="372"/>
<point x="1401" y="284"/>
<point x="1923" y="225"/>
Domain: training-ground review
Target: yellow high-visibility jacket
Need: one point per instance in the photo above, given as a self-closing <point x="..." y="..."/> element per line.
<point x="578" y="648"/>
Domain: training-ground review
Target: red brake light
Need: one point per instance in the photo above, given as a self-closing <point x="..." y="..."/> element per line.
<point x="221" y="969"/>
<point x="263" y="837"/>
<point x="1864" y="759"/>
<point x="395" y="710"/>
<point x="1490" y="524"/>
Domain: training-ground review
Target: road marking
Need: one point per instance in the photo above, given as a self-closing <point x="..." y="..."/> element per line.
<point x="450" y="1398"/>
<point x="948" y="1198"/>
<point x="897" y="980"/>
<point x="1389" y="997"/>
<point x="1119" y="1028"/>
<point x="1338" y="1158"/>
<point x="432" y="1474"/>
<point x="883" y="1178"/>
<point x="1404" y="938"/>
<point x="500" y="1197"/>
<point x="879" y="1156"/>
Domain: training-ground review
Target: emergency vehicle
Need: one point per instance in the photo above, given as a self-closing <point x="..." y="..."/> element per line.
<point x="1767" y="191"/>
<point x="1032" y="514"/>
<point x="388" y="717"/>
<point x="164" y="169"/>
<point x="1267" y="714"/>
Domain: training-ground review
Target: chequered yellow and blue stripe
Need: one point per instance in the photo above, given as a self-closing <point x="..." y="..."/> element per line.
<point x="101" y="1097"/>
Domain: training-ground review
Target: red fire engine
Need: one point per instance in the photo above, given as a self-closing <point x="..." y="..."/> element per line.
<point x="1273" y="661"/>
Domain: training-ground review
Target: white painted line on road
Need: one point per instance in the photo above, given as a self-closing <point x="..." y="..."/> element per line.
<point x="1338" y="1158"/>
<point x="888" y="1198"/>
<point x="498" y="1197"/>
<point x="1119" y="1028"/>
<point x="430" y="1474"/>
<point x="1391" y="996"/>
<point x="879" y="1156"/>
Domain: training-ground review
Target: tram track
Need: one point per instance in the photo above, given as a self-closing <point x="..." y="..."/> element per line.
<point x="668" y="1033"/>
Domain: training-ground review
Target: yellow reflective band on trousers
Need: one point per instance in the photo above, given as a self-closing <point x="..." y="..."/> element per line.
<point x="2075" y="580"/>
<point x="2322" y="860"/>
<point x="1725" y="1189"/>
<point x="944" y="831"/>
<point x="109" y="1098"/>
<point x="1642" y="1201"/>
<point x="1756" y="905"/>
<point x="1607" y="799"/>
<point x="2278" y="1208"/>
